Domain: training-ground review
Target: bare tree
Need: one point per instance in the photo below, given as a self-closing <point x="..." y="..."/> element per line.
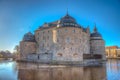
<point x="17" y="51"/>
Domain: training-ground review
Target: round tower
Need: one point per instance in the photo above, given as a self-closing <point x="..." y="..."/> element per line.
<point x="27" y="45"/>
<point x="97" y="45"/>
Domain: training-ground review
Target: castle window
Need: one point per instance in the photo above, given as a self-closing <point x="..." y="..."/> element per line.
<point x="38" y="57"/>
<point x="60" y="54"/>
<point x="67" y="39"/>
<point x="48" y="31"/>
<point x="46" y="53"/>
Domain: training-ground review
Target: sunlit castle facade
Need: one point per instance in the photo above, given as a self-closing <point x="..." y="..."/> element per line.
<point x="62" y="41"/>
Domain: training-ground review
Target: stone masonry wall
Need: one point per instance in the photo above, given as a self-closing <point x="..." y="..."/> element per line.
<point x="71" y="44"/>
<point x="66" y="43"/>
<point x="98" y="47"/>
<point x="27" y="48"/>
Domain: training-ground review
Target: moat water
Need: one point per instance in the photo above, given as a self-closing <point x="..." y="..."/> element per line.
<point x="11" y="70"/>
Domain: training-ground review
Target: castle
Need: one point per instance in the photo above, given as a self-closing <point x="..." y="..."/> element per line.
<point x="62" y="41"/>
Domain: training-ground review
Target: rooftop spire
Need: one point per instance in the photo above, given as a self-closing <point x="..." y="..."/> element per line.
<point x="67" y="12"/>
<point x="95" y="29"/>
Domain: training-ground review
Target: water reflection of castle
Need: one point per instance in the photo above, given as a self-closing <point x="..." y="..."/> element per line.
<point x="63" y="73"/>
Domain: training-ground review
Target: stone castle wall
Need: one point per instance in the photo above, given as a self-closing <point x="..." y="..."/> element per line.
<point x="98" y="47"/>
<point x="66" y="43"/>
<point x="27" y="48"/>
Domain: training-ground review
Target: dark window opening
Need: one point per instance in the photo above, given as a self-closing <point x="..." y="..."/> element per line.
<point x="92" y="56"/>
<point x="46" y="53"/>
<point x="38" y="57"/>
<point x="60" y="54"/>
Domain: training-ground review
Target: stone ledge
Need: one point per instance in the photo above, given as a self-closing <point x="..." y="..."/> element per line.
<point x="69" y="63"/>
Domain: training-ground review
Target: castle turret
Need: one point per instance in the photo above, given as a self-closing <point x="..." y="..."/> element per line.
<point x="27" y="45"/>
<point x="97" y="45"/>
<point x="67" y="20"/>
<point x="29" y="37"/>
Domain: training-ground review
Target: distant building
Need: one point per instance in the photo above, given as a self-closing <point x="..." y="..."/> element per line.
<point x="112" y="51"/>
<point x="63" y="40"/>
<point x="118" y="52"/>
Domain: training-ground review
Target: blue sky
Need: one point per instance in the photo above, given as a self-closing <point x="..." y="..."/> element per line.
<point x="17" y="17"/>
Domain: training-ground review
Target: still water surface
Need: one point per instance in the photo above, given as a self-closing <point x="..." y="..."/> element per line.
<point x="11" y="70"/>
